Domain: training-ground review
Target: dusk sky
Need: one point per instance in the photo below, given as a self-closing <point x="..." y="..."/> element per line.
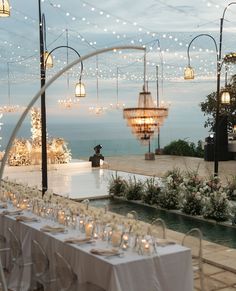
<point x="164" y="27"/>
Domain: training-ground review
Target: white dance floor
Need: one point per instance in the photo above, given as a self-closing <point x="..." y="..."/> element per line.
<point x="69" y="180"/>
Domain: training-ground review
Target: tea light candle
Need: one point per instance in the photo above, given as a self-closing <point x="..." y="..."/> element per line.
<point x="146" y="246"/>
<point x="23" y="204"/>
<point x="14" y="202"/>
<point x="116" y="238"/>
<point x="61" y="217"/>
<point x="124" y="246"/>
<point x="67" y="220"/>
<point x="81" y="223"/>
<point x="104" y="235"/>
<point x="88" y="229"/>
<point x="125" y="237"/>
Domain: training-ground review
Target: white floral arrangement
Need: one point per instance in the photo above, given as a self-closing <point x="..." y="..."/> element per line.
<point x="25" y="152"/>
<point x="217" y="206"/>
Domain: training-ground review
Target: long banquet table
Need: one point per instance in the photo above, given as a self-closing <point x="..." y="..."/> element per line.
<point x="170" y="269"/>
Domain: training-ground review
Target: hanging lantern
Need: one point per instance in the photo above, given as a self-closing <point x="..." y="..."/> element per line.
<point x="48" y="60"/>
<point x="4" y="8"/>
<point x="189" y="73"/>
<point x="225" y="97"/>
<point x="80" y="90"/>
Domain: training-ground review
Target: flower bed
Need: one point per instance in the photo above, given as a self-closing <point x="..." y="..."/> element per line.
<point x="183" y="191"/>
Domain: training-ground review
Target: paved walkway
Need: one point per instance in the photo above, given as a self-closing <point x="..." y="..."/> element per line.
<point x="219" y="261"/>
<point x="161" y="164"/>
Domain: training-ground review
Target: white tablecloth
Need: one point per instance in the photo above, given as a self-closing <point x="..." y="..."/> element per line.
<point x="169" y="270"/>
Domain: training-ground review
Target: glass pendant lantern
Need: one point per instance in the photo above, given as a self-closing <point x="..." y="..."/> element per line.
<point x="4" y="8"/>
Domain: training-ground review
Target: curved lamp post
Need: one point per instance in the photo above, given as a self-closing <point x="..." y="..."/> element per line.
<point x="189" y="74"/>
<point x="80" y="87"/>
<point x="46" y="61"/>
<point x="46" y="85"/>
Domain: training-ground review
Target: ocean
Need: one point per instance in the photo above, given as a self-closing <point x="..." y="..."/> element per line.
<point x="115" y="137"/>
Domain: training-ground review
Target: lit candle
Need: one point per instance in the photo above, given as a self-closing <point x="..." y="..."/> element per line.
<point x="124" y="246"/>
<point x="61" y="216"/>
<point x="81" y="225"/>
<point x="146" y="246"/>
<point x="88" y="229"/>
<point x="125" y="237"/>
<point x="116" y="238"/>
<point x="14" y="202"/>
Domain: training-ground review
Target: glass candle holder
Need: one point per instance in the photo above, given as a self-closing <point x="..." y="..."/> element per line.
<point x="116" y="238"/>
<point x="88" y="229"/>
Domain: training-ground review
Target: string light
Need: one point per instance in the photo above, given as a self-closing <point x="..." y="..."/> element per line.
<point x="171" y="38"/>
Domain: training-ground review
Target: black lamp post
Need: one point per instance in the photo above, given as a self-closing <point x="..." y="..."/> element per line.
<point x="158" y="104"/>
<point x="43" y="102"/>
<point x="219" y="66"/>
<point x="46" y="61"/>
<point x="189" y="74"/>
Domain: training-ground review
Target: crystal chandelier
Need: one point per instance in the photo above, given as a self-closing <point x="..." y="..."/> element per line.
<point x="9" y="108"/>
<point x="145" y="119"/>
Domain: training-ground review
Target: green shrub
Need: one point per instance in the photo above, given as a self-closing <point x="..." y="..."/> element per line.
<point x="231" y="188"/>
<point x="134" y="189"/>
<point x="233" y="216"/>
<point x="183" y="148"/>
<point x="192" y="202"/>
<point x="169" y="198"/>
<point x="117" y="186"/>
<point x="151" y="191"/>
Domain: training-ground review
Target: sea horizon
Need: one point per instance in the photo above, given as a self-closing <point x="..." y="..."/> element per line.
<point x="115" y="138"/>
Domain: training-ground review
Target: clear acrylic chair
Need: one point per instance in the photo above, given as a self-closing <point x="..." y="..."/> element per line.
<point x="132" y="215"/>
<point x="3" y="282"/>
<point x="66" y="278"/>
<point x="3" y="250"/>
<point x="158" y="228"/>
<point x="193" y="240"/>
<point x="17" y="258"/>
<point x="41" y="270"/>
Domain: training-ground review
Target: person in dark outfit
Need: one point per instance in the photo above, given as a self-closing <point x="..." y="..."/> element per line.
<point x="95" y="159"/>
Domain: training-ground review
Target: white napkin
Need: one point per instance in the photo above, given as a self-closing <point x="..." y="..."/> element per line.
<point x="52" y="229"/>
<point x="74" y="240"/>
<point x="105" y="252"/>
<point x="26" y="218"/>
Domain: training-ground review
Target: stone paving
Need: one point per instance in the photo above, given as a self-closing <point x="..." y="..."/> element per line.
<point x="219" y="261"/>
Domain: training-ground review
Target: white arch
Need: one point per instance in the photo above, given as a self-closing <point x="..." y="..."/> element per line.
<point x="43" y="89"/>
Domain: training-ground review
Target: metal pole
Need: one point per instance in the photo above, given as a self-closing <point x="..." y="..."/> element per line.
<point x="216" y="152"/>
<point x="117" y="86"/>
<point x="43" y="104"/>
<point x="158" y="104"/>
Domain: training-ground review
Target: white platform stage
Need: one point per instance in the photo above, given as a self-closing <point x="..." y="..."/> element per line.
<point x="76" y="180"/>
